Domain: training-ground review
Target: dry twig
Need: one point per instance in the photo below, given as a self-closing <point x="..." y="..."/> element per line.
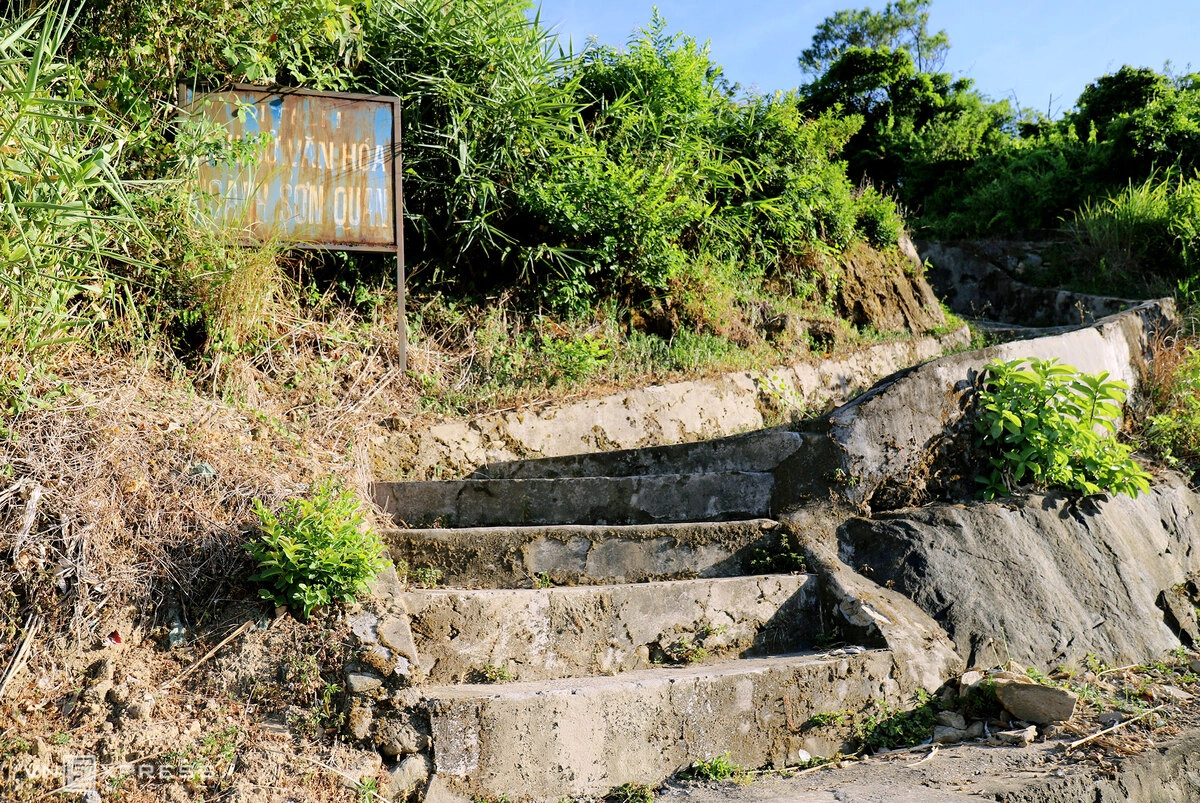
<point x="31" y="627"/>
<point x="245" y="626"/>
<point x="1118" y="726"/>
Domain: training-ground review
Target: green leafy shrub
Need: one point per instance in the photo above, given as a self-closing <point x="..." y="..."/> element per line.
<point x="1050" y="425"/>
<point x="876" y="216"/>
<point x="315" y="551"/>
<point x="65" y="211"/>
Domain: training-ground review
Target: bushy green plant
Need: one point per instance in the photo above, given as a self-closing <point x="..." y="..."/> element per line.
<point x="316" y="550"/>
<point x="1049" y="425"/>
<point x="877" y="218"/>
<point x="1132" y="233"/>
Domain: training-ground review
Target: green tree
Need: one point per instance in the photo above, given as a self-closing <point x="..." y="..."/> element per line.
<point x="916" y="125"/>
<point x="902" y="25"/>
<point x="1123" y="92"/>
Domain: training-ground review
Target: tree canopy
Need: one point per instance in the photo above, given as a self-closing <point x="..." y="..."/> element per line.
<point x="902" y="25"/>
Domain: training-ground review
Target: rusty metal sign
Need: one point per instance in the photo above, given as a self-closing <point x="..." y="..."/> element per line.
<point x="322" y="169"/>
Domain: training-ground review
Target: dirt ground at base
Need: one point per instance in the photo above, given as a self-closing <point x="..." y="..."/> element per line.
<point x="1154" y="744"/>
<point x="139" y="720"/>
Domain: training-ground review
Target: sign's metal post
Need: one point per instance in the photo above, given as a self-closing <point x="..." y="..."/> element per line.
<point x="324" y="183"/>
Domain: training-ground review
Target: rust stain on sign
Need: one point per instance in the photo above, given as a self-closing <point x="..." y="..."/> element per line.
<point x="326" y="170"/>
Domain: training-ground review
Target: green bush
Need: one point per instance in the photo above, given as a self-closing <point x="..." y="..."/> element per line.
<point x="1049" y="425"/>
<point x="877" y="218"/>
<point x="315" y="551"/>
<point x="894" y="728"/>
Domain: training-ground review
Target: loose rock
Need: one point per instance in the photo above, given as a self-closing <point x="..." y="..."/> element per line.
<point x="1019" y="738"/>
<point x="968" y="681"/>
<point x="1033" y="703"/>
<point x="360" y="682"/>
<point x="399" y="738"/>
<point x="943" y="734"/>
<point x="952" y="719"/>
<point x="408" y="776"/>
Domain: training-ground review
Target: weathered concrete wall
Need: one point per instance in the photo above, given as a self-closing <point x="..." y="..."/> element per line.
<point x="563" y="632"/>
<point x="641" y="727"/>
<point x="1043" y="579"/>
<point x="889" y="434"/>
<point x="968" y="277"/>
<point x="652" y="499"/>
<point x="679" y="412"/>
<point x="510" y="557"/>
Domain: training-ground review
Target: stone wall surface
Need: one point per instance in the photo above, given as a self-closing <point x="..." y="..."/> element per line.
<point x="679" y="412"/>
<point x="1044" y="580"/>
<point x="970" y="278"/>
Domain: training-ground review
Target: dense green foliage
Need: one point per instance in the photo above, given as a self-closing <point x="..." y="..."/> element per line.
<point x="65" y="214"/>
<point x="315" y="551"/>
<point x="1048" y="425"/>
<point x="565" y="178"/>
<point x="631" y="187"/>
<point x="1118" y="169"/>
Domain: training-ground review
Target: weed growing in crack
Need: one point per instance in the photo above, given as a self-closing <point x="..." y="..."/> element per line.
<point x="630" y="793"/>
<point x="496" y="674"/>
<point x="721" y="768"/>
<point x="685" y="651"/>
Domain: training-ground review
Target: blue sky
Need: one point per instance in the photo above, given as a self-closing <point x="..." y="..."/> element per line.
<point x="1033" y="50"/>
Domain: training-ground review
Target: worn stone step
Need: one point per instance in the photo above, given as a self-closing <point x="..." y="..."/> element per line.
<point x="582" y="737"/>
<point x="579" y="500"/>
<point x="515" y="557"/>
<point x="761" y="450"/>
<point x="464" y="636"/>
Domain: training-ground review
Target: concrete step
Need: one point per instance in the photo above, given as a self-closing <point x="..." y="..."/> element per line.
<point x="579" y="500"/>
<point x="582" y="737"/>
<point x="761" y="450"/>
<point x="572" y="632"/>
<point x="514" y="557"/>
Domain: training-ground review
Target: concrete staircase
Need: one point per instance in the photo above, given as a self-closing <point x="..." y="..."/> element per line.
<point x="606" y="619"/>
<point x="611" y="618"/>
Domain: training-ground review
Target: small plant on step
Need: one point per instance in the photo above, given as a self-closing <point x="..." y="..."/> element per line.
<point x="315" y="551"/>
<point x="1048" y="425"/>
<point x="826" y="719"/>
<point x="778" y="559"/>
<point x="630" y="793"/>
<point x="685" y="651"/>
<point x="496" y="674"/>
<point x="425" y="577"/>
<point x="542" y="580"/>
<point x="720" y="768"/>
